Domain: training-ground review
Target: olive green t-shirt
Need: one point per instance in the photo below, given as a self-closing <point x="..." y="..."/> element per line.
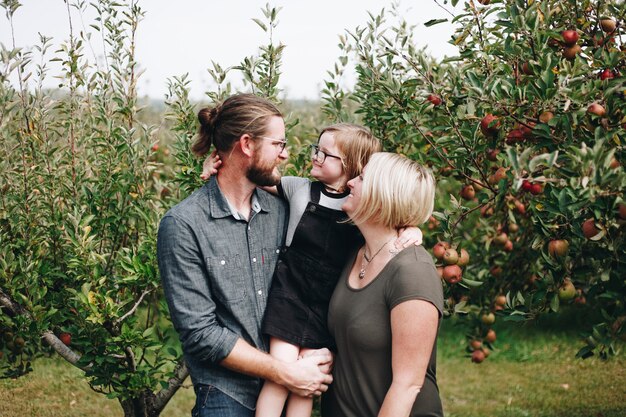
<point x="359" y="320"/>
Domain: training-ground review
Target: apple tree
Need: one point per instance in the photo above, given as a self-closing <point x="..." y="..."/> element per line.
<point x="524" y="128"/>
<point x="86" y="174"/>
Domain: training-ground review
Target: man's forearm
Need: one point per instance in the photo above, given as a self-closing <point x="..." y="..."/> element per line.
<point x="304" y="377"/>
<point x="248" y="360"/>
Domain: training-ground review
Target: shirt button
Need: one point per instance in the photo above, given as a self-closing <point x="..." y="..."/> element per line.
<point x="260" y="292"/>
<point x="253" y="259"/>
<point x="277" y="250"/>
<point x="223" y="262"/>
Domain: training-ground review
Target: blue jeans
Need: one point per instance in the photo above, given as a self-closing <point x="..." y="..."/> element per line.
<point x="211" y="402"/>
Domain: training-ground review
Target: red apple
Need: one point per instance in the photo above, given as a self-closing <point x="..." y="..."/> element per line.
<point x="478" y="356"/>
<point x="500" y="300"/>
<point x="608" y="25"/>
<point x="440" y="249"/>
<point x="452" y="274"/>
<point x="558" y="248"/>
<point x="580" y="297"/>
<point x="567" y="290"/>
<point x="514" y="136"/>
<point x="488" y="319"/>
<point x="486" y="210"/>
<point x="475" y="344"/>
<point x="621" y="211"/>
<point x="614" y="163"/>
<point x="497" y="176"/>
<point x="527" y="185"/>
<point x="536" y="189"/>
<point x="606" y="74"/>
<point x="491" y="336"/>
<point x="596" y="109"/>
<point x="489" y="125"/>
<point x="571" y="51"/>
<point x="492" y="154"/>
<point x="450" y="257"/>
<point x="468" y="192"/>
<point x="500" y="239"/>
<point x="546" y="116"/>
<point x="589" y="228"/>
<point x="570" y="37"/>
<point x="496" y="271"/>
<point x="434" y="99"/>
<point x="464" y="258"/>
<point x="508" y="246"/>
<point x="66" y="338"/>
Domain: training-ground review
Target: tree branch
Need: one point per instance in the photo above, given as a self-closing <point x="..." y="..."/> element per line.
<point x="173" y="384"/>
<point x="132" y="310"/>
<point x="54" y="342"/>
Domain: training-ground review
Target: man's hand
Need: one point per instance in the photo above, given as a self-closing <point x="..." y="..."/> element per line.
<point x="327" y="368"/>
<point x="310" y="376"/>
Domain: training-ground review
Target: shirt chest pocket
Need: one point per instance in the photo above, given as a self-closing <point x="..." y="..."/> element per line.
<point x="228" y="278"/>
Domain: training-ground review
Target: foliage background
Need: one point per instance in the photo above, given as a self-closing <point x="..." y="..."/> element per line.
<point x="87" y="170"/>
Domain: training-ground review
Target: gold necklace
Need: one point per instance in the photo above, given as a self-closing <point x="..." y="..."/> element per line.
<point x="365" y="261"/>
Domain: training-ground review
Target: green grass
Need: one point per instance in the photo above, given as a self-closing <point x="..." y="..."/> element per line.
<point x="533" y="372"/>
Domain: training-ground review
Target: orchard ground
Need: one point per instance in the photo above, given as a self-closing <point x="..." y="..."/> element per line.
<point x="533" y="372"/>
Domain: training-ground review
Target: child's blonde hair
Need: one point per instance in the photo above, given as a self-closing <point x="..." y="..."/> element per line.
<point x="356" y="144"/>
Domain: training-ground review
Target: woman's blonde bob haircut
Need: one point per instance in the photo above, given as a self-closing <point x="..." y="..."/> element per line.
<point x="396" y="192"/>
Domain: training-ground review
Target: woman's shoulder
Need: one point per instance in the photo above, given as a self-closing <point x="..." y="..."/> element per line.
<point x="414" y="257"/>
<point x="414" y="277"/>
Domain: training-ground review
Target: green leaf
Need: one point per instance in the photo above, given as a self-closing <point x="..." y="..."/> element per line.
<point x="554" y="304"/>
<point x="434" y="22"/>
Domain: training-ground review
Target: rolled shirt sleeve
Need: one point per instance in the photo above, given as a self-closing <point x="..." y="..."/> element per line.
<point x="188" y="293"/>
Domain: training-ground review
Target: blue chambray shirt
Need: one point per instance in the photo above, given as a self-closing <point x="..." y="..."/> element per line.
<point x="216" y="269"/>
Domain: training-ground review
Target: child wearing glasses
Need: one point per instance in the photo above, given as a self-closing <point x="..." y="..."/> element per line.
<point x="318" y="242"/>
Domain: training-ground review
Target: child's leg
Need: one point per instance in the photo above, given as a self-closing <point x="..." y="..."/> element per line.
<point x="300" y="406"/>
<point x="273" y="396"/>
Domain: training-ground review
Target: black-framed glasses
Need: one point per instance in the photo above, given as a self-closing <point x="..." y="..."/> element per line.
<point x="320" y="156"/>
<point x="280" y="143"/>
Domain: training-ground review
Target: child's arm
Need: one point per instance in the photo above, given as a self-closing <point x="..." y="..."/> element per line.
<point x="211" y="165"/>
<point x="408" y="236"/>
<point x="272" y="189"/>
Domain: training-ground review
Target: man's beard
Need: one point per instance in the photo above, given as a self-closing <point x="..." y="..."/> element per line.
<point x="262" y="175"/>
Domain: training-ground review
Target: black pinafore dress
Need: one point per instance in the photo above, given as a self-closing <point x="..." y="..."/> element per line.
<point x="306" y="274"/>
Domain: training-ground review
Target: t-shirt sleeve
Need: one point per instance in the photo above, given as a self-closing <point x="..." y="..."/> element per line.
<point x="415" y="280"/>
<point x="289" y="185"/>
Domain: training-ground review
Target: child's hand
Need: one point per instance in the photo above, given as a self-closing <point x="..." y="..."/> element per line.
<point x="408" y="236"/>
<point x="210" y="165"/>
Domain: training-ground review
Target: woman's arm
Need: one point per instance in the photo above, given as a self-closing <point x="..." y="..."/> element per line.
<point x="411" y="346"/>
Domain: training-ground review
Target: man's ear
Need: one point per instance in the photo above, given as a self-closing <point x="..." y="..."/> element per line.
<point x="247" y="145"/>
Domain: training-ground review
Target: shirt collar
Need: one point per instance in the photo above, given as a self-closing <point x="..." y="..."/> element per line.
<point x="220" y="207"/>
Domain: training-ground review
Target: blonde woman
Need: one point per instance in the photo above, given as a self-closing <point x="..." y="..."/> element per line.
<point x="385" y="311"/>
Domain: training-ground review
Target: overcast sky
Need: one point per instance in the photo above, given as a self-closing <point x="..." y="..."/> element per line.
<point x="178" y="37"/>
